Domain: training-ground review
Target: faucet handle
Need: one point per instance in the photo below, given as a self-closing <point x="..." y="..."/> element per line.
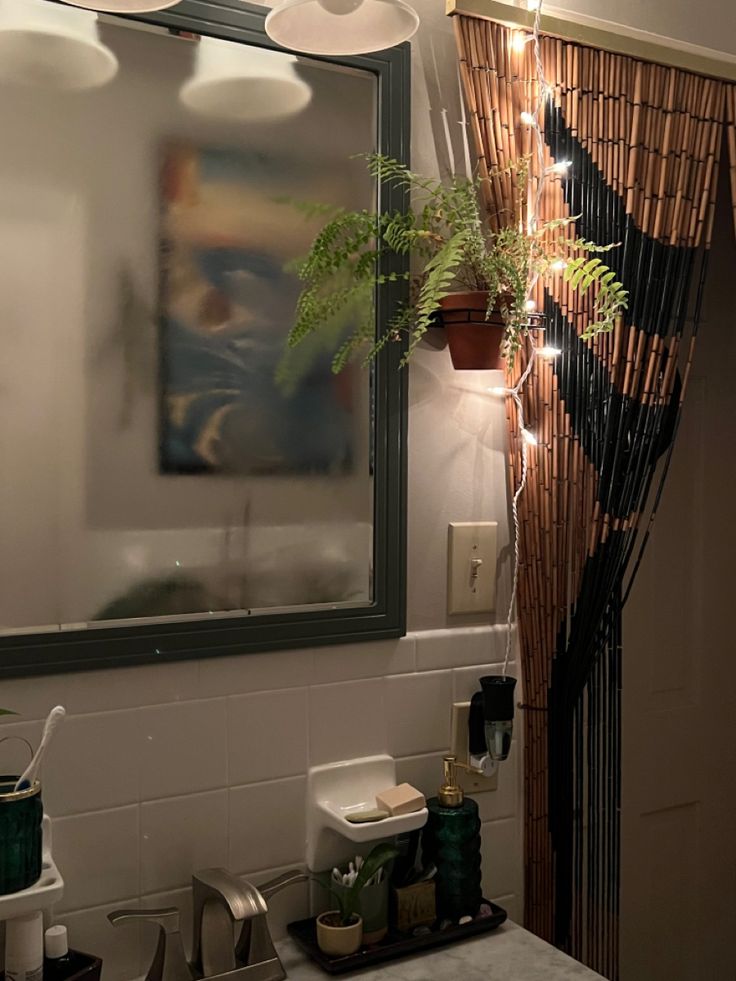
<point x="169" y="961"/>
<point x="270" y="888"/>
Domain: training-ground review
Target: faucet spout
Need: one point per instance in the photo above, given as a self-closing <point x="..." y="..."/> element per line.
<point x="242" y="902"/>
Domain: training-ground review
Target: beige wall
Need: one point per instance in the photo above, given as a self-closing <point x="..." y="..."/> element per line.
<point x="456" y="432"/>
<point x="709" y="23"/>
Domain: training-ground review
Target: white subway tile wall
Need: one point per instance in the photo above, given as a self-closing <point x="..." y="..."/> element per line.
<point x="163" y="769"/>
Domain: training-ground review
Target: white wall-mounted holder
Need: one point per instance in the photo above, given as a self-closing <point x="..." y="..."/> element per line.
<point x="337" y="789"/>
<point x="42" y="894"/>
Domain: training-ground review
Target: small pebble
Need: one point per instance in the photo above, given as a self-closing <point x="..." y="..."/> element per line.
<point x="465" y="919"/>
<point x="445" y="924"/>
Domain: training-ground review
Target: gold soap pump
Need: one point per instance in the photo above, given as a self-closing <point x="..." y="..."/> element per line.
<point x="450" y="793"/>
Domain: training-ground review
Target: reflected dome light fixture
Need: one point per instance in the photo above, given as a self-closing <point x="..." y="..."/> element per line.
<point x="244" y="83"/>
<point x="123" y="6"/>
<point x="341" y="27"/>
<point x="43" y="44"/>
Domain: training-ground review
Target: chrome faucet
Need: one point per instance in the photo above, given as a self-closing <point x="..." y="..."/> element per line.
<point x="242" y="902"/>
<point x="260" y="946"/>
<point x="252" y="957"/>
<point x="169" y="962"/>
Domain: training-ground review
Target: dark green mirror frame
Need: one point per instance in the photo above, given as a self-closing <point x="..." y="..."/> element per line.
<point x="385" y="617"/>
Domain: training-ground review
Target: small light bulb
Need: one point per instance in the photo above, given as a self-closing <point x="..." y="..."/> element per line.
<point x="499" y="391"/>
<point x="532" y="4"/>
<point x="527" y="118"/>
<point x="558" y="265"/>
<point x="519" y="42"/>
<point x="529" y="437"/>
<point x="548" y="351"/>
<point x="561" y="167"/>
<point x="530" y="306"/>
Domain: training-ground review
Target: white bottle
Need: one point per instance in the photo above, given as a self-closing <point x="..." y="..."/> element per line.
<point x="24" y="947"/>
<point x="56" y="943"/>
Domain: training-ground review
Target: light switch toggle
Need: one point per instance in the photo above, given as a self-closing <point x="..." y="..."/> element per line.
<point x="471" y="567"/>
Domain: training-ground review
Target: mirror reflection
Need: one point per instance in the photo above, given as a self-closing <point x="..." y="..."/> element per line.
<point x="161" y="455"/>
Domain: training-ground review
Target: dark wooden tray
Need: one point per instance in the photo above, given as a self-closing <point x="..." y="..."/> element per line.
<point x="395" y="945"/>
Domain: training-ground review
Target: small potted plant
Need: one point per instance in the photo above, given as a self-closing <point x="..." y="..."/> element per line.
<point x="340" y="931"/>
<point x="469" y="275"/>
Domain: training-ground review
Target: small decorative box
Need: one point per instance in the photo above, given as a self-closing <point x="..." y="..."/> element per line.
<point x="413" y="906"/>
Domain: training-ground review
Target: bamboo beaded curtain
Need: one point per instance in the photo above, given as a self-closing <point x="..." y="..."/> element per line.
<point x="731" y="117"/>
<point x="644" y="142"/>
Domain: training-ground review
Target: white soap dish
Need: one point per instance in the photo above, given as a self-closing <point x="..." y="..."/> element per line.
<point x="338" y="789"/>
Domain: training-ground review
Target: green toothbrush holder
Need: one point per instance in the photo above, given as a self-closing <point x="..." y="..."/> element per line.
<point x="373" y="908"/>
<point x="21" y="814"/>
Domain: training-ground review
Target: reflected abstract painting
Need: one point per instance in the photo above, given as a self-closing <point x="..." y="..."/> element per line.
<point x="227" y="303"/>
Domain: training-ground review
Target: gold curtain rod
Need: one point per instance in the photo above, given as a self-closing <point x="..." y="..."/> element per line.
<point x="597" y="33"/>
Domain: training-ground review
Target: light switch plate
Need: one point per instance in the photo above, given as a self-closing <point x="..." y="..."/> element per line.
<point x="471" y="566"/>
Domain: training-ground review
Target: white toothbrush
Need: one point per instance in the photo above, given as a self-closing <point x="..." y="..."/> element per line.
<point x="29" y="774"/>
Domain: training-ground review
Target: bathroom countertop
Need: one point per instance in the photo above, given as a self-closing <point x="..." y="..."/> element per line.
<point x="508" y="954"/>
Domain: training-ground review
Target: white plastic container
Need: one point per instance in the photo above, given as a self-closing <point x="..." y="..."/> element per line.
<point x="24" y="947"/>
<point x="56" y="942"/>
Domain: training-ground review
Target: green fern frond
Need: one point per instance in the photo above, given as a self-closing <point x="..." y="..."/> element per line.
<point x="611" y="299"/>
<point x="447" y="233"/>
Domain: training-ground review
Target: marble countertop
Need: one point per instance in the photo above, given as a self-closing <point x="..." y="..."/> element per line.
<point x="507" y="954"/>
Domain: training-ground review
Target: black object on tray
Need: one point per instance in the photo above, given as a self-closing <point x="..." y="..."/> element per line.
<point x="394" y="945"/>
<point x="76" y="966"/>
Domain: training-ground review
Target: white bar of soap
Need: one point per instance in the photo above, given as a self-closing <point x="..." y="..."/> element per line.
<point x="403" y="799"/>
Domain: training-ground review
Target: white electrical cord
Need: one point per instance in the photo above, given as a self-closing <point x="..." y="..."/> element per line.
<point x="526" y="438"/>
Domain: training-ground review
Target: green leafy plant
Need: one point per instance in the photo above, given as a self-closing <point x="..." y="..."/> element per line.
<point x="454" y="247"/>
<point x="348" y="899"/>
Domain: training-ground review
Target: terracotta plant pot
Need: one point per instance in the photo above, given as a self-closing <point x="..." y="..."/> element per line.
<point x="475" y="343"/>
<point x="335" y="940"/>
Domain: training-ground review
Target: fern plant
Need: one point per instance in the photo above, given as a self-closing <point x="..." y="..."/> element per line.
<point x="453" y="247"/>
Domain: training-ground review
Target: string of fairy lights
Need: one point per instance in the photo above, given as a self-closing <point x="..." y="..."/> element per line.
<point x="533" y="120"/>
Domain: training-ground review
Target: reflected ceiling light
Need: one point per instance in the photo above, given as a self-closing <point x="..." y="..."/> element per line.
<point x="45" y="44"/>
<point x="341" y="27"/>
<point x="241" y="83"/>
<point x="123" y="6"/>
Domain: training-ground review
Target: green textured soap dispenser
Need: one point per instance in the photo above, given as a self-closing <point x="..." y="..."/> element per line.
<point x="451" y="840"/>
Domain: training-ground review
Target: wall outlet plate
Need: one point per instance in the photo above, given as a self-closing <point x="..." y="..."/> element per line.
<point x="473" y="783"/>
<point x="471" y="566"/>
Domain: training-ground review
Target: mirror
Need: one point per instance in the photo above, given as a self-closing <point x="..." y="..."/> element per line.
<point x="175" y="481"/>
